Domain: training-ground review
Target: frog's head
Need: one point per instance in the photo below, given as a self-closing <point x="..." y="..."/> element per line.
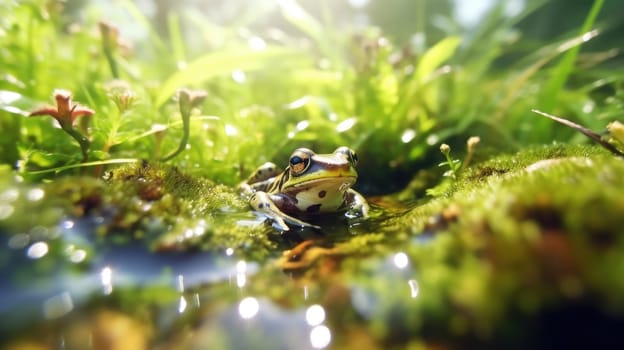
<point x="308" y="168"/>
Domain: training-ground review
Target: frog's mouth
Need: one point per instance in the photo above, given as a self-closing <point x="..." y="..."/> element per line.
<point x="329" y="184"/>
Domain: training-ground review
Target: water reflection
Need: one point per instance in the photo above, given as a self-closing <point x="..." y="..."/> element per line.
<point x="106" y="277"/>
<point x="182" y="304"/>
<point x="19" y="241"/>
<point x="320" y="337"/>
<point x="10" y="195"/>
<point x="58" y="305"/>
<point x="6" y="210"/>
<point x="241" y="277"/>
<point x="76" y="255"/>
<point x="248" y="308"/>
<point x="181" y="283"/>
<point x="414" y="288"/>
<point x="35" y="194"/>
<point x="67" y="224"/>
<point x="401" y="260"/>
<point x="315" y="315"/>
<point x="37" y="250"/>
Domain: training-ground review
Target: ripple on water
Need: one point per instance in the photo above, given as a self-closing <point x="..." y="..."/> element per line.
<point x="252" y="318"/>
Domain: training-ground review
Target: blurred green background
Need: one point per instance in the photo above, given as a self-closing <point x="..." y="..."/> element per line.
<point x="392" y="79"/>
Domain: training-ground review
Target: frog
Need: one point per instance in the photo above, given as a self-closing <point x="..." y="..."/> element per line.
<point x="310" y="184"/>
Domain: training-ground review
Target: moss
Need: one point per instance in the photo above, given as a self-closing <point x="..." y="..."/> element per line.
<point x="519" y="243"/>
<point x="517" y="238"/>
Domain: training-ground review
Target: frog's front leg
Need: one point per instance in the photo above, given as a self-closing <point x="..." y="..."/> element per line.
<point x="265" y="204"/>
<point x="260" y="179"/>
<point x="263" y="176"/>
<point x="356" y="202"/>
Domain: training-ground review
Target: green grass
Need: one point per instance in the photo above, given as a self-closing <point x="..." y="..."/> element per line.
<point x="392" y="102"/>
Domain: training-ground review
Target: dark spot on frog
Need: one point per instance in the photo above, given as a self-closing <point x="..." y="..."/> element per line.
<point x="322" y="194"/>
<point x="314" y="208"/>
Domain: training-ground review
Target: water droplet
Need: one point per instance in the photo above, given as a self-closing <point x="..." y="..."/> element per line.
<point x="298" y="103"/>
<point x="315" y="315"/>
<point x="180" y="283"/>
<point x="408" y="135"/>
<point x="37" y="250"/>
<point x="230" y="130"/>
<point x="345" y="125"/>
<point x="77" y="256"/>
<point x="38" y="232"/>
<point x="35" y="194"/>
<point x="199" y="230"/>
<point x="9" y="195"/>
<point x="401" y="260"/>
<point x="241" y="280"/>
<point x="257" y="43"/>
<point x="19" y="241"/>
<point x="188" y="233"/>
<point x="414" y="288"/>
<point x="106" y="276"/>
<point x="248" y="308"/>
<point x="182" y="304"/>
<point x="432" y="139"/>
<point x="239" y="76"/>
<point x="6" y="210"/>
<point x="320" y="337"/>
<point x="241" y="266"/>
<point x="58" y="305"/>
<point x="67" y="224"/>
<point x="302" y="125"/>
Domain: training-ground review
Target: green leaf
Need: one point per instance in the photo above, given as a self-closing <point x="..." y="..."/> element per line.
<point x="224" y="62"/>
<point x="436" y="56"/>
<point x="15" y="103"/>
<point x="562" y="71"/>
<point x="296" y="15"/>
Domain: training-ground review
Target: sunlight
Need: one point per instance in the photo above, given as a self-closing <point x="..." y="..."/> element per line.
<point x="315" y="315"/>
<point x="320" y="337"/>
<point x="248" y="308"/>
<point x="37" y="250"/>
<point x="401" y="260"/>
<point x="106" y="277"/>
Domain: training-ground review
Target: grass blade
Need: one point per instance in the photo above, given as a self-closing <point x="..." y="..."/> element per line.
<point x="585" y="131"/>
<point x="224" y="62"/>
<point x="562" y="71"/>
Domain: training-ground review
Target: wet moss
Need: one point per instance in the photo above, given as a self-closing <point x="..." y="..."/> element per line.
<point x="516" y="241"/>
<point x="524" y="239"/>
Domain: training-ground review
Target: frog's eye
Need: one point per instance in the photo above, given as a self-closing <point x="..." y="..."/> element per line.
<point x="348" y="153"/>
<point x="299" y="162"/>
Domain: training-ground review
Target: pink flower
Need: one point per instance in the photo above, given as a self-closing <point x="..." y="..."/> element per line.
<point x="65" y="112"/>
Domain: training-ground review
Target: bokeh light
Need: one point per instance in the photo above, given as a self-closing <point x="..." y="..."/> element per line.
<point x="320" y="337"/>
<point x="248" y="308"/>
